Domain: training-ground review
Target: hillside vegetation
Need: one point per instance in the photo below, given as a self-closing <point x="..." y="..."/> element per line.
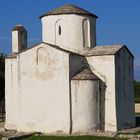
<point x="2" y="76"/>
<point x="137" y="91"/>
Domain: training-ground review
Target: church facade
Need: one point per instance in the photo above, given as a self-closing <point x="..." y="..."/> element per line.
<point x="67" y="84"/>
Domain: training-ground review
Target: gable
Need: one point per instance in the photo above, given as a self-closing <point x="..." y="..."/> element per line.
<point x="85" y="73"/>
<point x="126" y="49"/>
<point x="104" y="50"/>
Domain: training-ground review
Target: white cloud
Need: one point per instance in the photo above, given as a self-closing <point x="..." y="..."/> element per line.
<point x="6" y="38"/>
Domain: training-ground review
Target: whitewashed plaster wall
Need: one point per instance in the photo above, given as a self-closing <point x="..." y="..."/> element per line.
<point x="124" y="90"/>
<point x="43" y="91"/>
<point x="11" y="93"/>
<point x="104" y="68"/>
<point x="15" y="42"/>
<point x="72" y="36"/>
<point x="36" y="97"/>
<point x="85" y="106"/>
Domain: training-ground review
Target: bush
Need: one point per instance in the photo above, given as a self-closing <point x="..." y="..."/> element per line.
<point x="137" y="91"/>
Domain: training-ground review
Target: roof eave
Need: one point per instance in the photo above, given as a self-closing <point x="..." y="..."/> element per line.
<point x="91" y="15"/>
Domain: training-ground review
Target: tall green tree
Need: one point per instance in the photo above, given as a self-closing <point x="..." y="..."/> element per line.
<point x="2" y="76"/>
<point x="137" y="91"/>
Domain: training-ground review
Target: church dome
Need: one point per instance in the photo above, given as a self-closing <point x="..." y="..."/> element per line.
<point x="69" y="27"/>
<point x="68" y="9"/>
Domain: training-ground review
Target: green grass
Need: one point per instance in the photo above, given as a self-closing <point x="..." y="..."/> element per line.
<point x="137" y="113"/>
<point x="0" y="136"/>
<point x="137" y="133"/>
<point x="70" y="138"/>
<point x="2" y="117"/>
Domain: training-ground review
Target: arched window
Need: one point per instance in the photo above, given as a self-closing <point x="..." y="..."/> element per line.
<point x="59" y="31"/>
<point x="41" y="56"/>
<point x="86" y="35"/>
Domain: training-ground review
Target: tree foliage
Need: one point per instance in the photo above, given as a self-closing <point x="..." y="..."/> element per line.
<point x="137" y="91"/>
<point x="2" y="76"/>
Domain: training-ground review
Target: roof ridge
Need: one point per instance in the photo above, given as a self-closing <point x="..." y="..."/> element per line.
<point x="68" y="9"/>
<point x="18" y="27"/>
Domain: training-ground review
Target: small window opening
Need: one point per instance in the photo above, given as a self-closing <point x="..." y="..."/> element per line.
<point x="59" y="30"/>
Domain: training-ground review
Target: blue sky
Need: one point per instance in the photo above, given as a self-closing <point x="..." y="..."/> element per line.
<point x="118" y="22"/>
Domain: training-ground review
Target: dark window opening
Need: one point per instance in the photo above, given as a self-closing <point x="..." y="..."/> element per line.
<point x="59" y="30"/>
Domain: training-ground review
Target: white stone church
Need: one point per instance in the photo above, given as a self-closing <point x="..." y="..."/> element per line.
<point x="67" y="84"/>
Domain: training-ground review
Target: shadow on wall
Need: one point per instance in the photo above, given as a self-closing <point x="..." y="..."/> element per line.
<point x="101" y="96"/>
<point x="102" y="104"/>
<point x="76" y="64"/>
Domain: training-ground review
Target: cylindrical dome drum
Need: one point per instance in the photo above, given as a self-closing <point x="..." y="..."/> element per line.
<point x="70" y="28"/>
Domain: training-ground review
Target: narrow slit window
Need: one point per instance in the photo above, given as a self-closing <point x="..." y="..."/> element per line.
<point x="59" y="30"/>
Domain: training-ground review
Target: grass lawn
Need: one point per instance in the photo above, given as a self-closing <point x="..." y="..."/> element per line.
<point x="70" y="138"/>
<point x="2" y="117"/>
<point x="0" y="136"/>
<point x="137" y="113"/>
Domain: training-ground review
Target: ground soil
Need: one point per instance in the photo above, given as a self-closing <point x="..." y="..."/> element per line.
<point x="137" y="108"/>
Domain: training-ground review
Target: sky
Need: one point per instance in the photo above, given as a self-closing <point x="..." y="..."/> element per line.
<point x="118" y="22"/>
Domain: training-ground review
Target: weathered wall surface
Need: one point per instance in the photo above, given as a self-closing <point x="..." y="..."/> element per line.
<point x="104" y="68"/>
<point x="43" y="94"/>
<point x="11" y="93"/>
<point x="72" y="31"/>
<point x="42" y="99"/>
<point x="85" y="106"/>
<point x="124" y="90"/>
<point x="15" y="42"/>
